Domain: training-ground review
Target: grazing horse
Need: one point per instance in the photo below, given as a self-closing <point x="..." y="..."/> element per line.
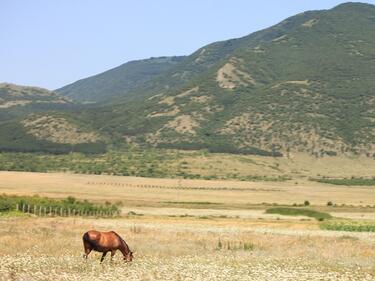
<point x="105" y="242"/>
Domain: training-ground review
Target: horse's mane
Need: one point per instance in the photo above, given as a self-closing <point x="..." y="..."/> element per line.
<point x="123" y="241"/>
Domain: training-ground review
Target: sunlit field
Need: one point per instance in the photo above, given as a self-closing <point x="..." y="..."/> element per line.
<point x="192" y="230"/>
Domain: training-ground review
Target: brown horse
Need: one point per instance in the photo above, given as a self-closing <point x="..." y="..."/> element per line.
<point x="105" y="242"/>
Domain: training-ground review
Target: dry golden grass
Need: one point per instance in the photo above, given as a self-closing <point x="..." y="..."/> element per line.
<point x="183" y="249"/>
<point x="298" y="165"/>
<point x="134" y="191"/>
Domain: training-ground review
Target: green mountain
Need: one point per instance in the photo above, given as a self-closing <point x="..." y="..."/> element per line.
<point x="118" y="81"/>
<point x="306" y="84"/>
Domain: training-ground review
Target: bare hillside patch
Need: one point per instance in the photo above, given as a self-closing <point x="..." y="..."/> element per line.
<point x="8" y="104"/>
<point x="58" y="130"/>
<point x="230" y="76"/>
<point x="310" y="23"/>
<point x="183" y="124"/>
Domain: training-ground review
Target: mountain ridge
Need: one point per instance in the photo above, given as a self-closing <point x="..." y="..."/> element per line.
<point x="118" y="80"/>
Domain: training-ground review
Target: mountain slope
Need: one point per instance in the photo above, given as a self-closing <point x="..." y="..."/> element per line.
<point x="118" y="81"/>
<point x="15" y="96"/>
<point x="18" y="100"/>
<point x="306" y="84"/>
<point x="29" y="121"/>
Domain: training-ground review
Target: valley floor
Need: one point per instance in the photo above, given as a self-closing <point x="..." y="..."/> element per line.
<point x="154" y="192"/>
<point x="185" y="249"/>
<point x="189" y="230"/>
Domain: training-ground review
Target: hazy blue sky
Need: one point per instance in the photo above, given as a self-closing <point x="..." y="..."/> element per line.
<point x="52" y="43"/>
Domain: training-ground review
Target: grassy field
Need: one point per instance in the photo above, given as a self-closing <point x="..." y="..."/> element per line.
<point x="184" y="249"/>
<point x="184" y="229"/>
<point x="154" y="192"/>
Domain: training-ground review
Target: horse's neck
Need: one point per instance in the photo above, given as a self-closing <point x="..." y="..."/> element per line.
<point x="124" y="248"/>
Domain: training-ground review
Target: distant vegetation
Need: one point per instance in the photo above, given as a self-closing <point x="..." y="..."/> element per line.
<point x="159" y="163"/>
<point x="349" y="225"/>
<point x="348" y="181"/>
<point x="299" y="212"/>
<point x="135" y="163"/>
<point x="26" y="204"/>
<point x="221" y="148"/>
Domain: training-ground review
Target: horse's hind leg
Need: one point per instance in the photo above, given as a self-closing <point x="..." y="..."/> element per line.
<point x="104" y="253"/>
<point x="87" y="250"/>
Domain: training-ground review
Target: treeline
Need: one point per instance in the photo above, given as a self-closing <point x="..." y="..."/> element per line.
<point x="31" y="203"/>
<point x="220" y="148"/>
<point x="86" y="148"/>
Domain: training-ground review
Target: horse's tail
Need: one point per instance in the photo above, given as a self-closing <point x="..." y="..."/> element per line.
<point x="86" y="238"/>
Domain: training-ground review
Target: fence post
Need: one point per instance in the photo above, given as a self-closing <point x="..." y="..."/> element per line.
<point x="68" y="212"/>
<point x="23" y="208"/>
<point x="34" y="212"/>
<point x="17" y="207"/>
<point x="40" y="211"/>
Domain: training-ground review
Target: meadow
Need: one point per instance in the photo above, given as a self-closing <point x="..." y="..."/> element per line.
<point x="195" y="229"/>
<point x="185" y="248"/>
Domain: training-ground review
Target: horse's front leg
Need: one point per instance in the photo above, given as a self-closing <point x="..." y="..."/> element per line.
<point x="113" y="252"/>
<point x="104" y="254"/>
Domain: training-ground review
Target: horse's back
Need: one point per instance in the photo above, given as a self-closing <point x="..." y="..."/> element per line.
<point x="102" y="241"/>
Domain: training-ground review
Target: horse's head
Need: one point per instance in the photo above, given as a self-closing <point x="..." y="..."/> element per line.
<point x="128" y="257"/>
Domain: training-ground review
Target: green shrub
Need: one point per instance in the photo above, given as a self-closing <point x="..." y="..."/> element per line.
<point x="299" y="212"/>
<point x="5" y="204"/>
<point x="347" y="182"/>
<point x="346" y="225"/>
